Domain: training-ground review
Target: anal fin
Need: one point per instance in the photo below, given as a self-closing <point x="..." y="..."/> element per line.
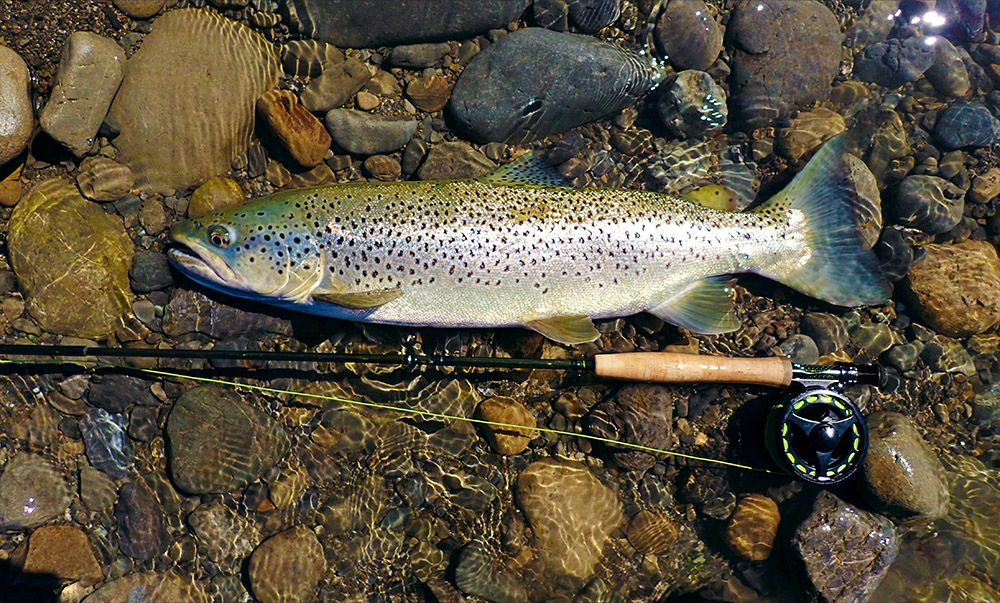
<point x="359" y="299"/>
<point x="569" y="330"/>
<point x="704" y="306"/>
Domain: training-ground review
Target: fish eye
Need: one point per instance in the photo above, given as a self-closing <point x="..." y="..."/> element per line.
<point x="219" y="236"/>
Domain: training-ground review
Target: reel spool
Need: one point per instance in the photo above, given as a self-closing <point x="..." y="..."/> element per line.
<point x="818" y="435"/>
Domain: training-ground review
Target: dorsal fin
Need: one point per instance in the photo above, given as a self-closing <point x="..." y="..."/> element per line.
<point x="530" y="169"/>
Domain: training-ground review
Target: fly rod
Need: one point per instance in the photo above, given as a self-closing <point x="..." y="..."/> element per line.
<point x="657" y="367"/>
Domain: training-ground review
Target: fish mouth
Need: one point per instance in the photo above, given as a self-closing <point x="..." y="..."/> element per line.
<point x="201" y="264"/>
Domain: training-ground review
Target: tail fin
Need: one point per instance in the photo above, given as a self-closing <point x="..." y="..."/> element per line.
<point x="839" y="270"/>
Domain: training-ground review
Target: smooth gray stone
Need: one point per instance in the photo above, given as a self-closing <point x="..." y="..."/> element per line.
<point x="371" y="23"/>
<point x="15" y="110"/>
<point x="363" y="134"/>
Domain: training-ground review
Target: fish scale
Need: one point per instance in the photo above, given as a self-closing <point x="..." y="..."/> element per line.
<point x="512" y="250"/>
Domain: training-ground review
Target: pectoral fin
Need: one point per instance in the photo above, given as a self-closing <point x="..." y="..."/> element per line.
<point x="359" y="299"/>
<point x="704" y="306"/>
<point x="569" y="330"/>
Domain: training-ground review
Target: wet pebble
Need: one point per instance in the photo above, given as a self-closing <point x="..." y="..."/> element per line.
<point x="873" y="338"/>
<point x="590" y="16"/>
<point x="108" y="448"/>
<point x="97" y="491"/>
<point x="641" y="414"/>
<point x="63" y="552"/>
<point x="366" y="101"/>
<point x="362" y="134"/>
<point x="947" y="355"/>
<point x="142" y="528"/>
<point x="845" y="550"/>
<point x="336" y="86"/>
<point x="149" y="586"/>
<point x="867" y="199"/>
<point x="889" y="144"/>
<point x="651" y="533"/>
<point x="495" y="99"/>
<point x="506" y="440"/>
<point x="429" y="94"/>
<point x="901" y="475"/>
<point x="551" y="14"/>
<point x="807" y="131"/>
<point x="894" y="62"/>
<point x="956" y="288"/>
<point x="215" y="194"/>
<point x="219" y="443"/>
<point x="903" y="357"/>
<point x="140" y="9"/>
<point x="827" y="331"/>
<point x="224" y="536"/>
<point x="91" y="68"/>
<point x="383" y="167"/>
<point x="16" y="115"/>
<point x="801" y="349"/>
<point x="571" y="514"/>
<point x="103" y="179"/>
<point x="964" y="21"/>
<point x="689" y="35"/>
<point x="299" y="131"/>
<point x="31" y="492"/>
<point x="752" y="527"/>
<point x="287" y="567"/>
<point x="948" y="74"/>
<point x="150" y="271"/>
<point x="418" y="56"/>
<point x="929" y="203"/>
<point x="454" y="160"/>
<point x="142" y="423"/>
<point x="692" y="104"/>
<point x="479" y="573"/>
<point x="309" y="57"/>
<point x="966" y="125"/>
<point x="985" y="186"/>
<point x="116" y="392"/>
<point x="894" y="253"/>
<point x="190" y="311"/>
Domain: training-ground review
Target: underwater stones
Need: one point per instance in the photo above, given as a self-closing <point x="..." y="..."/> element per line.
<point x="372" y="23"/>
<point x="571" y="514"/>
<point x="956" y="288"/>
<point x="308" y="57"/>
<point x="103" y="179"/>
<point x="31" y="492"/>
<point x="418" y="56"/>
<point x="827" y="330"/>
<point x="190" y="311"/>
<point x="894" y="62"/>
<point x="150" y="271"/>
<point x="140" y="9"/>
<point x="807" y="131"/>
<point x="225" y="537"/>
<point x="966" y="125"/>
<point x="651" y="533"/>
<point x="149" y="586"/>
<point x="97" y="490"/>
<point x="108" y="449"/>
<point x="985" y="186"/>
<point x="889" y="144"/>
<point x="186" y="105"/>
<point x="692" y="104"/>
<point x="752" y="527"/>
<point x="901" y="474"/>
<point x="16" y="116"/>
<point x="642" y="414"/>
<point x="574" y="79"/>
<point x="771" y="72"/>
<point x="506" y="440"/>
<point x="689" y="35"/>
<point x="57" y="237"/>
<point x="336" y="85"/>
<point x="454" y="160"/>
<point x="929" y="203"/>
<point x="428" y="94"/>
<point x="948" y="74"/>
<point x="383" y="167"/>
<point x="867" y="200"/>
<point x="362" y="134"/>
<point x="287" y="566"/>
<point x="298" y="130"/>
<point x="91" y="68"/>
<point x="63" y="552"/>
<point x="845" y="551"/>
<point x="480" y="574"/>
<point x="590" y="16"/>
<point x="218" y="443"/>
<point x="215" y="194"/>
<point x="142" y="527"/>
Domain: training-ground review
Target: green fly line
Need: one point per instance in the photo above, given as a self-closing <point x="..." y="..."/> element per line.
<point x="396" y="408"/>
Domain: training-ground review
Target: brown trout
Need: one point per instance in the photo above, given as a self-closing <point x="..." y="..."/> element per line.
<point x="515" y="248"/>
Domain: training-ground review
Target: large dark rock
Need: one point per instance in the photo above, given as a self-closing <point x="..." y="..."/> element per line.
<point x="371" y="23"/>
<point x="641" y="414"/>
<point x="142" y="527"/>
<point x="573" y="79"/>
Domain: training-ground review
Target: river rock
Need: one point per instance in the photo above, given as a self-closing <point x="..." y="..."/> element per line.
<point x="956" y="288"/>
<point x="150" y="272"/>
<point x="692" y="104"/>
<point x="651" y="533"/>
<point x="140" y="9"/>
<point x="641" y="414"/>
<point x="428" y="94"/>
<point x="298" y="130"/>
<point x="309" y="57"/>
<point x="16" y="116"/>
<point x="785" y="54"/>
<point x="948" y="74"/>
<point x="590" y="16"/>
<point x="225" y="537"/>
<point x="91" y="68"/>
<point x="894" y="62"/>
<point x="287" y="567"/>
<point x="480" y="573"/>
<point x="102" y="179"/>
<point x="901" y="475"/>
<point x="454" y="160"/>
<point x="336" y="85"/>
<point x="149" y="586"/>
<point x="213" y="195"/>
<point x="845" y="551"/>
<point x="501" y="409"/>
<point x="63" y="552"/>
<point x="929" y="203"/>
<point x="186" y="105"/>
<point x="418" y="56"/>
<point x="31" y="492"/>
<point x="108" y="448"/>
<point x="966" y="125"/>
<point x="142" y="528"/>
<point x="218" y="443"/>
<point x="571" y="514"/>
<point x="190" y="311"/>
<point x="56" y="236"/>
<point x="362" y="134"/>
<point x="689" y="35"/>
<point x="574" y="79"/>
<point x="752" y="527"/>
<point x="372" y="23"/>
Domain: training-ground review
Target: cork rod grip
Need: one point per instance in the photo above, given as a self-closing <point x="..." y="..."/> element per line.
<point x="667" y="367"/>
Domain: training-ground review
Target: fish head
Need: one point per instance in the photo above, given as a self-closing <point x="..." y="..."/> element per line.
<point x="241" y="252"/>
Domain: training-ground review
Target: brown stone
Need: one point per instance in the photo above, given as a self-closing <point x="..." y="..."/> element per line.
<point x="336" y="86"/>
<point x="140" y="9"/>
<point x="506" y="440"/>
<point x="287" y="567"/>
<point x="10" y="192"/>
<point x="64" y="552"/>
<point x="215" y="194"/>
<point x="985" y="186"/>
<point x="303" y="135"/>
<point x="367" y="101"/>
<point x="383" y="167"/>
<point x="429" y="93"/>
<point x="752" y="527"/>
<point x="956" y="288"/>
<point x="651" y="533"/>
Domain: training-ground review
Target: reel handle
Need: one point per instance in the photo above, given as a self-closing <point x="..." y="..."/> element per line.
<point x="671" y="367"/>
